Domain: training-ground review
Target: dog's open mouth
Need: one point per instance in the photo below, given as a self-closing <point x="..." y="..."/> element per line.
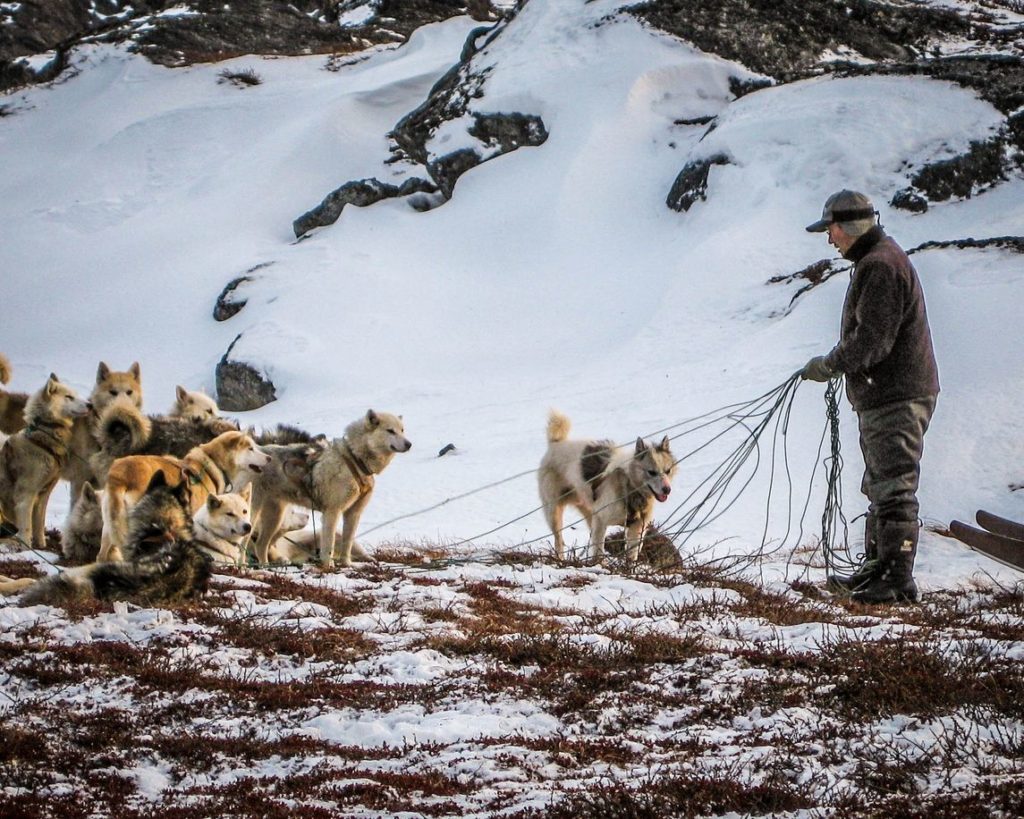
<point x="661" y="497"/>
<point x="256" y="469"/>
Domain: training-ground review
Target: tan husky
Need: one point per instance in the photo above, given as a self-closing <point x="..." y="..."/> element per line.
<point x="31" y="460"/>
<point x="336" y="481"/>
<point x="609" y="485"/>
<point x="111" y="386"/>
<point x="228" y="461"/>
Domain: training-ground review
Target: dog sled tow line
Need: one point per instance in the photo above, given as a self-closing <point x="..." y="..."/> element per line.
<point x="770" y="411"/>
<point x="523" y="474"/>
<point x="769" y="415"/>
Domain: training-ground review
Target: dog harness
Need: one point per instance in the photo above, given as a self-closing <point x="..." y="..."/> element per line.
<point x="48" y="438"/>
<point x="361" y="472"/>
<point x="207" y="468"/>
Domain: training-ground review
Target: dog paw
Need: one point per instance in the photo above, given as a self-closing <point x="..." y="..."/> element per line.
<point x="360" y="554"/>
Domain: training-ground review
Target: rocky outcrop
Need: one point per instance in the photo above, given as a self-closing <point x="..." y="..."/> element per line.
<point x="808" y="278"/>
<point x="492" y="134"/>
<point x="360" y="193"/>
<point x="497" y="134"/>
<point x="240" y="386"/>
<point x="786" y="40"/>
<point x="452" y="98"/>
<point x="211" y="30"/>
<point x="691" y="184"/>
<point x="985" y="164"/>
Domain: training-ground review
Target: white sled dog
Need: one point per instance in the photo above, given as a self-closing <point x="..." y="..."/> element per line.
<point x="609" y="485"/>
<point x="221" y="525"/>
<point x="337" y="480"/>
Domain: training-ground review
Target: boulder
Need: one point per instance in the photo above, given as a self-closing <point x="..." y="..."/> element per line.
<point x="691" y="184"/>
<point x="240" y="386"/>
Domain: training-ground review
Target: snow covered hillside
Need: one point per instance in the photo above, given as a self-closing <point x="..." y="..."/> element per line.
<point x="607" y="218"/>
<point x="555" y="276"/>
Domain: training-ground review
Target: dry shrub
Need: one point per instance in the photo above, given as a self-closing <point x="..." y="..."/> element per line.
<point x="679" y="796"/>
<point x="240" y="79"/>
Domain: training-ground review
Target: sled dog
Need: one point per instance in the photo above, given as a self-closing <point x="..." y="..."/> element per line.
<point x="609" y="485"/>
<point x="31" y="460"/>
<point x="166" y="564"/>
<point x="228" y="461"/>
<point x="111" y="386"/>
<point x="336" y="479"/>
<point x="12" y="404"/>
<point x="221" y="525"/>
<point x="122" y="429"/>
<point x="80" y="539"/>
<point x="193" y="405"/>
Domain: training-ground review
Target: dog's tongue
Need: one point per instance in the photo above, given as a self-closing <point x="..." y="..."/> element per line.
<point x="661" y="496"/>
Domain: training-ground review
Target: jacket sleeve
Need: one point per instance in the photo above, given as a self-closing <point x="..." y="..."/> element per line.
<point x="878" y="316"/>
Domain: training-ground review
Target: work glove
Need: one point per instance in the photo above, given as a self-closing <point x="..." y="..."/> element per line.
<point x="817" y="370"/>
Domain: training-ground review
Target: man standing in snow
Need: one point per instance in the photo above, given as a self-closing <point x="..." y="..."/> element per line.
<point x="885" y="353"/>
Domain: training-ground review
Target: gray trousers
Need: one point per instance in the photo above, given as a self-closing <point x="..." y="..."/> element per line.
<point x="892" y="441"/>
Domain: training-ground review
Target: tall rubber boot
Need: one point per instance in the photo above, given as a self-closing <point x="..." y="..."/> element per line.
<point x="868" y="568"/>
<point x="897" y="549"/>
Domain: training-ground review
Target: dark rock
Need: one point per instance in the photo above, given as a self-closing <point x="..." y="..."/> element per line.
<point x="740" y="88"/>
<point x="964" y="175"/>
<point x="907" y="199"/>
<point x="692" y="182"/>
<point x="241" y="386"/>
<point x="1014" y="244"/>
<point x="498" y="134"/>
<point x="448" y="168"/>
<point x="446" y="449"/>
<point x="360" y="193"/>
<point x="785" y="40"/>
<point x="228" y="302"/>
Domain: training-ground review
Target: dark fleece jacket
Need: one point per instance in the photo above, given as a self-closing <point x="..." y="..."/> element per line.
<point x="885" y="348"/>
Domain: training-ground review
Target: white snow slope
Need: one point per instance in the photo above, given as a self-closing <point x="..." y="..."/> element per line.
<point x="555" y="277"/>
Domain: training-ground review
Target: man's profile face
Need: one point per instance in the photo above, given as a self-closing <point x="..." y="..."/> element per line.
<point x="839" y="238"/>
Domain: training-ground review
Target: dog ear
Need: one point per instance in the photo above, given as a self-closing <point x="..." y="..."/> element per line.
<point x="181" y="393"/>
<point x="665" y="445"/>
<point x="640" y="446"/>
<point x="372" y="419"/>
<point x="51" y="384"/>
<point x="213" y="502"/>
<point x="158" y="481"/>
<point x="135" y="370"/>
<point x="102" y="372"/>
<point x="89" y="492"/>
<point x="246" y="494"/>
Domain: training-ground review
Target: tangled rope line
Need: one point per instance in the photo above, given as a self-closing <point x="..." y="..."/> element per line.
<point x="764" y="417"/>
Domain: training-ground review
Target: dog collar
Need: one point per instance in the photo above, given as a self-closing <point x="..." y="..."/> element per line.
<point x="360" y="469"/>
